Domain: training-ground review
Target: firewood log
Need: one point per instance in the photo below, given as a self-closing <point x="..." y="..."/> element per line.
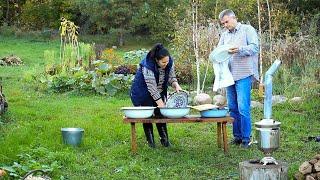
<point x="309" y="177"/>
<point x="299" y="176"/>
<point x="313" y="161"/>
<point x="305" y="168"/>
<point x="314" y="175"/>
<point x="317" y="166"/>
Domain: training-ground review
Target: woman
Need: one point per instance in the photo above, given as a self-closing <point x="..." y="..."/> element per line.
<point x="149" y="88"/>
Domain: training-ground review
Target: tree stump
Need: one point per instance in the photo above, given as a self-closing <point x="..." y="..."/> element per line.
<point x="254" y="171"/>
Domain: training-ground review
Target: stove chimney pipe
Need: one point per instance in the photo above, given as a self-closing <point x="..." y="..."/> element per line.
<point x="268" y="89"/>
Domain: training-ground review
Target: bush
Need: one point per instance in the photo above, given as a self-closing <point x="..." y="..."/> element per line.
<point x="125" y="69"/>
<point x="6" y="30"/>
<point x="183" y="73"/>
<point x="304" y="84"/>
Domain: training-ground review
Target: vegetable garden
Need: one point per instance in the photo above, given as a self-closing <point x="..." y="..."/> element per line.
<point x="60" y="83"/>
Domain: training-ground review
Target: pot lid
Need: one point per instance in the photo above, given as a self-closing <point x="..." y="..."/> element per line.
<point x="267" y="123"/>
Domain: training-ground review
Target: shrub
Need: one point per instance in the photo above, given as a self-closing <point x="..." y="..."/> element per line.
<point x="6" y="30"/>
<point x="125" y="69"/>
<point x="183" y="73"/>
<point x="306" y="83"/>
<point x="33" y="158"/>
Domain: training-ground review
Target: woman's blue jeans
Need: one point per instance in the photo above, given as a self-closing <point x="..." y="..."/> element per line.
<point x="238" y="96"/>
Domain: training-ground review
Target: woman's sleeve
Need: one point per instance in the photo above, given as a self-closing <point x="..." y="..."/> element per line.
<point x="151" y="83"/>
<point x="172" y="75"/>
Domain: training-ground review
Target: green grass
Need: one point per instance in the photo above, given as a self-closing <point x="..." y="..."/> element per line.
<point x="34" y="120"/>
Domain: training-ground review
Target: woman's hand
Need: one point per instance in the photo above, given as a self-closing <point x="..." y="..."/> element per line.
<point x="160" y="103"/>
<point x="176" y="86"/>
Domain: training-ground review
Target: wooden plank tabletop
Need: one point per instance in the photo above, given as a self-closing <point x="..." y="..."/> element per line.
<point x="187" y="119"/>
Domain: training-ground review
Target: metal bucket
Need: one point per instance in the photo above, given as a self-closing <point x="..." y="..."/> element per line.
<point x="72" y="136"/>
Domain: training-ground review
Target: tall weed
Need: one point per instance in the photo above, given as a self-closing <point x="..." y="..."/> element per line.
<point x="296" y="80"/>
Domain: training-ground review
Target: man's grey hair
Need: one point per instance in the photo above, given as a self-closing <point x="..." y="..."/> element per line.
<point x="226" y="12"/>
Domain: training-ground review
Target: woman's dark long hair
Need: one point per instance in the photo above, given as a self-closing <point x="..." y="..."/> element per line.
<point x="157" y="52"/>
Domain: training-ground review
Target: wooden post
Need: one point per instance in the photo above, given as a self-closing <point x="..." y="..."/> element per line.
<point x="263" y="172"/>
<point x="225" y="137"/>
<point x="133" y="138"/>
<point x="219" y="134"/>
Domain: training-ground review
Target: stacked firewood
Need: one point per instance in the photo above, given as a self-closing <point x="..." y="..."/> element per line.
<point x="11" y="60"/>
<point x="309" y="170"/>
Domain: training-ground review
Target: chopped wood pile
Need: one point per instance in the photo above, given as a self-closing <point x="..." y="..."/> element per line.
<point x="11" y="60"/>
<point x="309" y="170"/>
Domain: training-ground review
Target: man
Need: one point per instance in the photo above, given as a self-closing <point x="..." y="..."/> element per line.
<point x="244" y="68"/>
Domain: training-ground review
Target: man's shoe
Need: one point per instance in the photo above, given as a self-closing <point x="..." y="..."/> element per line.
<point x="236" y="141"/>
<point x="245" y="144"/>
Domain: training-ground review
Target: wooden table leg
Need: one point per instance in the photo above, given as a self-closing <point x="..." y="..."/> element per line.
<point x="133" y="138"/>
<point x="219" y="134"/>
<point x="225" y="137"/>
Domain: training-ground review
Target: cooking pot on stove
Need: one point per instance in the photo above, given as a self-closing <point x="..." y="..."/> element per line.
<point x="268" y="135"/>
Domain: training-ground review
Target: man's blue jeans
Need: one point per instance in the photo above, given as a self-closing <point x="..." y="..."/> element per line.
<point x="238" y="96"/>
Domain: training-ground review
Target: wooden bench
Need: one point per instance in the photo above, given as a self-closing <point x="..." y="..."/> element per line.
<point x="221" y="127"/>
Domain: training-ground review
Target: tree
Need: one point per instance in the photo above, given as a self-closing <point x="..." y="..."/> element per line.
<point x="158" y="18"/>
<point x="120" y="15"/>
<point x="10" y="10"/>
<point x="40" y="14"/>
<point x="109" y="16"/>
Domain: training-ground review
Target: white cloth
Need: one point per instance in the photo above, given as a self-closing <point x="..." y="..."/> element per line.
<point x="223" y="76"/>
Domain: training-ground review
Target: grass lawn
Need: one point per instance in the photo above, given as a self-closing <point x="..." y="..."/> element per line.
<point x="32" y="125"/>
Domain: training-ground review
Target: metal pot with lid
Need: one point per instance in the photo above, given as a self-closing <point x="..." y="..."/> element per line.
<point x="268" y="135"/>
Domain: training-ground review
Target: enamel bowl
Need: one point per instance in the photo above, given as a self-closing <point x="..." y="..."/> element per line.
<point x="174" y="112"/>
<point x="215" y="112"/>
<point x="138" y="111"/>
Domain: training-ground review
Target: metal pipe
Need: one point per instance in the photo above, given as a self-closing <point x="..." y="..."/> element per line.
<point x="268" y="89"/>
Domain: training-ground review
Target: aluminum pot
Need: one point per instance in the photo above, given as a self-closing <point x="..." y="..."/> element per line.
<point x="268" y="139"/>
<point x="72" y="136"/>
